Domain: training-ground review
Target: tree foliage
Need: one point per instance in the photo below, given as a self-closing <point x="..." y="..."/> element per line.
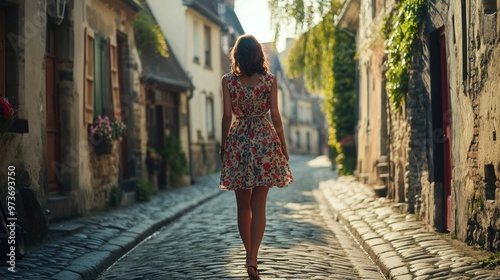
<point x="325" y="57"/>
<point x="300" y="15"/>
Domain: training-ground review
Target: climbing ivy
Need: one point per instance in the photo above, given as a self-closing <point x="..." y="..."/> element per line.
<point x="401" y="29"/>
<point x="325" y="57"/>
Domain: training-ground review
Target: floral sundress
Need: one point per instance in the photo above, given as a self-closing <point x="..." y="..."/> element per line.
<point x="253" y="154"/>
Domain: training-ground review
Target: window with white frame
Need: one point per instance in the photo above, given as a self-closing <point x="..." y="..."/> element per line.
<point x="208" y="47"/>
<point x="196" y="42"/>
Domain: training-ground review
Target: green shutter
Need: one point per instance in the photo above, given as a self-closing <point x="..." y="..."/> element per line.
<point x="101" y="78"/>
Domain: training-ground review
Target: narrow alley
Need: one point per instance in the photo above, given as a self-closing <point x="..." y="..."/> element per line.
<point x="302" y="239"/>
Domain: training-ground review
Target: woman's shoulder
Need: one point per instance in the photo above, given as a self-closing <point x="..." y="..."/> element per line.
<point x="269" y="77"/>
<point x="228" y="75"/>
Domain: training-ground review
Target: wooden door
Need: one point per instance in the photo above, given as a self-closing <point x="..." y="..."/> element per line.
<point x="446" y="112"/>
<point x="51" y="110"/>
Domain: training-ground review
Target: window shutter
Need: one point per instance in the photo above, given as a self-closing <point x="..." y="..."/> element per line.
<point x="88" y="88"/>
<point x="115" y="84"/>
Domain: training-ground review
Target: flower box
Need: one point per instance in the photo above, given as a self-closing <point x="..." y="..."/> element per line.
<point x="103" y="148"/>
<point x="7" y="115"/>
<point x="19" y="126"/>
<point x="103" y="132"/>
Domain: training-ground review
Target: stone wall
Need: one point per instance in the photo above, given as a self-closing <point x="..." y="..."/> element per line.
<point x="471" y="31"/>
<point x="398" y="155"/>
<point x="104" y="169"/>
<point x="205" y="159"/>
<point x="25" y="88"/>
<point x="480" y="153"/>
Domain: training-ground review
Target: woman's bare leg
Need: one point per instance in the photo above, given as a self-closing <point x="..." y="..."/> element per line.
<point x="243" y="198"/>
<point x="258" y="204"/>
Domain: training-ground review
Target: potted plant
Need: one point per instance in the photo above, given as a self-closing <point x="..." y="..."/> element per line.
<point x="7" y="115"/>
<point x="103" y="132"/>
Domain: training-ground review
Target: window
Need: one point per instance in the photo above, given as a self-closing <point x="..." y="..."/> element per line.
<point x="101" y="87"/>
<point x="298" y="139"/>
<point x="101" y="77"/>
<point x="208" y="49"/>
<point x="210" y="118"/>
<point x="374" y="8"/>
<point x="196" y="43"/>
<point x="308" y="141"/>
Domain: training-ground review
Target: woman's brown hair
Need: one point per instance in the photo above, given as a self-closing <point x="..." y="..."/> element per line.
<point x="247" y="57"/>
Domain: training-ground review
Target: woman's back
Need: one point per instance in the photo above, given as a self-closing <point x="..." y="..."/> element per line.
<point x="250" y="96"/>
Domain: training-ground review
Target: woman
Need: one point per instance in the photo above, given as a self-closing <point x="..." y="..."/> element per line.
<point x="253" y="151"/>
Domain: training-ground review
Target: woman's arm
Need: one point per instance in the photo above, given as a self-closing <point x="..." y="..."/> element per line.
<point x="276" y="117"/>
<point x="227" y="115"/>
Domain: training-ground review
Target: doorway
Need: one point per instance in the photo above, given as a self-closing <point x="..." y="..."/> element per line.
<point x="52" y="108"/>
<point x="441" y="122"/>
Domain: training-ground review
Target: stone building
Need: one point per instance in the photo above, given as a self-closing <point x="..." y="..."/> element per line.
<point x="70" y="62"/>
<point x="99" y="60"/>
<point x="464" y="42"/>
<point x="23" y="63"/>
<point x="443" y="149"/>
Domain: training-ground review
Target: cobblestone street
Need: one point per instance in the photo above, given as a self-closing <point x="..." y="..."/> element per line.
<point x="316" y="229"/>
<point x="302" y="240"/>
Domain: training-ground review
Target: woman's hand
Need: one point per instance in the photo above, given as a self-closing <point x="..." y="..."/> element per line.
<point x="221" y="154"/>
<point x="285" y="152"/>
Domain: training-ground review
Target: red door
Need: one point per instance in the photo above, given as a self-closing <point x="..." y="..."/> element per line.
<point x="445" y="95"/>
<point x="52" y="110"/>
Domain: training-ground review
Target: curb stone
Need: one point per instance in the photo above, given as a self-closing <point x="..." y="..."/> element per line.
<point x="398" y="243"/>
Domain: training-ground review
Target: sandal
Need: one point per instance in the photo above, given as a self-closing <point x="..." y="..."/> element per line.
<point x="253" y="272"/>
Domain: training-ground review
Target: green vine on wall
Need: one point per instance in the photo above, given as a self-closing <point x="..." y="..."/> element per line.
<point x="401" y="31"/>
<point x="343" y="101"/>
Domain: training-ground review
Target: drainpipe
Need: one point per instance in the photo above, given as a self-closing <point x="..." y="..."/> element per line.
<point x="190" y="153"/>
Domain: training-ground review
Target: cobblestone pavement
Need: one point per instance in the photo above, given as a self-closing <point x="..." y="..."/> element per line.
<point x="302" y="240"/>
<point x="311" y="234"/>
<point x="399" y="243"/>
<point x="82" y="248"/>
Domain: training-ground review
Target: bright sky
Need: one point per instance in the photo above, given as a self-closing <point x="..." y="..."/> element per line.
<point x="255" y="18"/>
